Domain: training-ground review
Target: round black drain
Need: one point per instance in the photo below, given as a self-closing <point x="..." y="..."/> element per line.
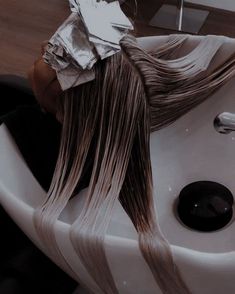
<point x="205" y="206"/>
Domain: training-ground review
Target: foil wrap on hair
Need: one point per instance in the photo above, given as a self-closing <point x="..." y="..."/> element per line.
<point x="91" y="32"/>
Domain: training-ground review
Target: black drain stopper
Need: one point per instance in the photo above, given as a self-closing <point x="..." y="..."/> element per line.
<point x="205" y="206"/>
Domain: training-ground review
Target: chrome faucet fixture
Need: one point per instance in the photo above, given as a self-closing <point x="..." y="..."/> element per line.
<point x="224" y="122"/>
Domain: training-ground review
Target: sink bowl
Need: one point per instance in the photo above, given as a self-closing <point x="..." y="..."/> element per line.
<point x="187" y="151"/>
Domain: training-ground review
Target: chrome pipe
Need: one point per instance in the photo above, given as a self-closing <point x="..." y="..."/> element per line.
<point x="181" y="14"/>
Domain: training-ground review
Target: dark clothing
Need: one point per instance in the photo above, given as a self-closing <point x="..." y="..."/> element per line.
<point x="37" y="136"/>
<point x="23" y="267"/>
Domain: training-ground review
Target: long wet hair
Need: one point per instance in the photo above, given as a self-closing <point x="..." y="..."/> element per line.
<point x="105" y="139"/>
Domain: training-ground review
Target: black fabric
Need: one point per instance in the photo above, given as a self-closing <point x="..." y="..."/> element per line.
<point x="14" y="92"/>
<point x="37" y="135"/>
<point x="23" y="267"/>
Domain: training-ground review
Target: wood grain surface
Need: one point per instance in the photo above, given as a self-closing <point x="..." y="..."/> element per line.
<point x="24" y="25"/>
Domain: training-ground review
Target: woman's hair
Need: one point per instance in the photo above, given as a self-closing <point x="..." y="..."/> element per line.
<point x="105" y="144"/>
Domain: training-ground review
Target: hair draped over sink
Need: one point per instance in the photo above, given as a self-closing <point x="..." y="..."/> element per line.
<point x="106" y="131"/>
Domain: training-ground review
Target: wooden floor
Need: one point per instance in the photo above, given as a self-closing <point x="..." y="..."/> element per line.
<point x="25" y="24"/>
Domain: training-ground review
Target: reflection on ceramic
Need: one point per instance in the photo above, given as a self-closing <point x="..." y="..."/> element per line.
<point x="189" y="150"/>
<point x="225" y="122"/>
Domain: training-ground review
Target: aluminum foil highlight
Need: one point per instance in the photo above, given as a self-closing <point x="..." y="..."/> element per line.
<point x="91" y="32"/>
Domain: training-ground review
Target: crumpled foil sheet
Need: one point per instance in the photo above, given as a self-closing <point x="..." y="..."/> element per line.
<point x="91" y="32"/>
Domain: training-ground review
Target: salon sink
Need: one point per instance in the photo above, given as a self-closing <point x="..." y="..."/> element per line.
<point x="187" y="151"/>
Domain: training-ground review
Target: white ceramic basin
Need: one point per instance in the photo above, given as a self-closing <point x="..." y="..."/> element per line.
<point x="187" y="151"/>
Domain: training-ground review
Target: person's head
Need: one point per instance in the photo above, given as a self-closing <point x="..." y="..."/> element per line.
<point x="47" y="89"/>
<point x="44" y="84"/>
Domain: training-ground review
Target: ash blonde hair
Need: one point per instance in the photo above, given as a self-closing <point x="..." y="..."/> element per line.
<point x="105" y="138"/>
